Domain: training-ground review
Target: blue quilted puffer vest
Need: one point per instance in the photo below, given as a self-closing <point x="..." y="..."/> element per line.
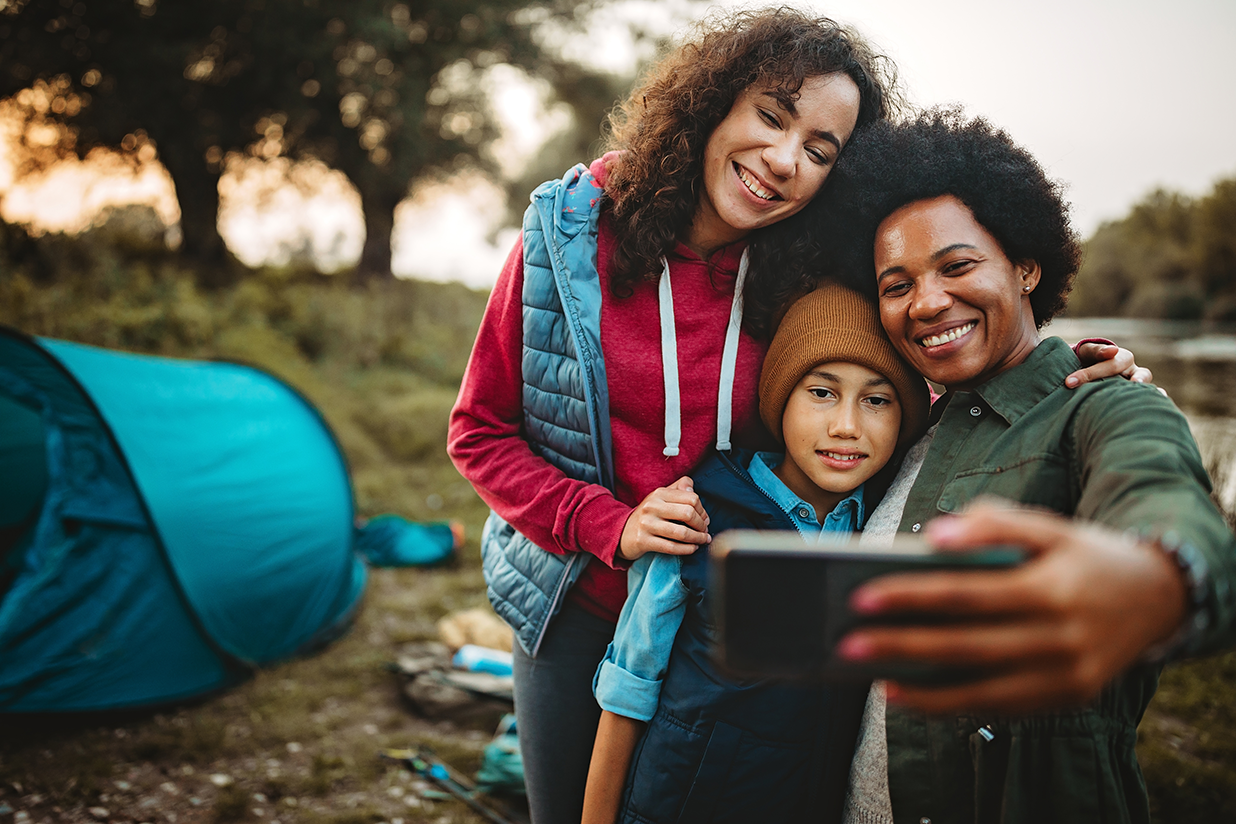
<point x="565" y="395"/>
<point x="721" y="750"/>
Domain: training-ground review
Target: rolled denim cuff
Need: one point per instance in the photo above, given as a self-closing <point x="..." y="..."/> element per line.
<point x="624" y="693"/>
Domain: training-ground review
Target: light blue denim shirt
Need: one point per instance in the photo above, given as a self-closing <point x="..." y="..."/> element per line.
<point x="628" y="681"/>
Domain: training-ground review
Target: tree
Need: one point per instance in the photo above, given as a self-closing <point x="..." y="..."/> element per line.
<point x="384" y="91"/>
<point x="1172" y="256"/>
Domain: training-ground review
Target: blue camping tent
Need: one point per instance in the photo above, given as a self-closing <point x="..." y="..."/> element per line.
<point x="166" y="527"/>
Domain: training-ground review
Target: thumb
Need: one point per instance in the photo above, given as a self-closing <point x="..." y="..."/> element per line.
<point x="992" y="523"/>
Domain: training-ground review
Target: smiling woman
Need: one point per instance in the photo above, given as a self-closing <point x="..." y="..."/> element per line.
<point x="968" y="246"/>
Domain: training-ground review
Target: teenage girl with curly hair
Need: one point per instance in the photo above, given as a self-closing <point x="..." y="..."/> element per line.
<point x="623" y="342"/>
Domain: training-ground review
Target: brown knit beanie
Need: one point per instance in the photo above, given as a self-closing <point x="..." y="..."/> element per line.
<point x="834" y="323"/>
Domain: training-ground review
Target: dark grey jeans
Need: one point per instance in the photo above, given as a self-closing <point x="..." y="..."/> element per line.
<point x="556" y="713"/>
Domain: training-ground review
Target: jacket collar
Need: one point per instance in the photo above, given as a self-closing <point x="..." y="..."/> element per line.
<point x="1014" y="392"/>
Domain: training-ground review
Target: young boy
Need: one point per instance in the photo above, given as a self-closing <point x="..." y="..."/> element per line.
<point x="692" y="744"/>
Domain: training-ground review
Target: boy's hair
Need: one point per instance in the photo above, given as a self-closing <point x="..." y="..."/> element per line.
<point x="663" y="127"/>
<point x="837" y="324"/>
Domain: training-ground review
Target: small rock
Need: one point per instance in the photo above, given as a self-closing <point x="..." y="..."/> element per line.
<point x="123" y="786"/>
<point x="37" y="798"/>
<point x="101" y="813"/>
<point x="396" y="792"/>
<point x="186" y="770"/>
<point x="195" y="801"/>
<point x="5" y="809"/>
<point x="294" y="747"/>
<point x="221" y="780"/>
<point x="370" y="729"/>
<point x="21" y="816"/>
<point x="291" y="801"/>
<point x="169" y="788"/>
<point x="259" y="798"/>
<point x="259" y="812"/>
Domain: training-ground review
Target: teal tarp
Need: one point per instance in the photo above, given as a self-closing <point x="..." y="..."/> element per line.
<point x="197" y="521"/>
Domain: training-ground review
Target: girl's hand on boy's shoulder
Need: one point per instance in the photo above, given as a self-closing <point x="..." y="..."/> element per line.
<point x="670" y="520"/>
<point x="1101" y="359"/>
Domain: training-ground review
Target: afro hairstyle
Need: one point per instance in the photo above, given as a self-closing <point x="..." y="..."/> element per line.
<point x="942" y="152"/>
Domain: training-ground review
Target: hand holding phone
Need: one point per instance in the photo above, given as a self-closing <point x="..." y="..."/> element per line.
<point x="783" y="604"/>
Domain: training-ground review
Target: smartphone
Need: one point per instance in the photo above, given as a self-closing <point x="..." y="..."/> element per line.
<point x="781" y="604"/>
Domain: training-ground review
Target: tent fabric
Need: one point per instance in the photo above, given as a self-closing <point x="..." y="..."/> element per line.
<point x="197" y="521"/>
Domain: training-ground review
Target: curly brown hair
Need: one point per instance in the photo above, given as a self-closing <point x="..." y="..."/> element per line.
<point x="662" y="129"/>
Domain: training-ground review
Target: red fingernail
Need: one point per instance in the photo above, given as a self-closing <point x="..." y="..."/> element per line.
<point x="865" y="602"/>
<point x="854" y="649"/>
<point x="944" y="530"/>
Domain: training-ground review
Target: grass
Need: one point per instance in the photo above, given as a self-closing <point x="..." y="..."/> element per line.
<point x="298" y="742"/>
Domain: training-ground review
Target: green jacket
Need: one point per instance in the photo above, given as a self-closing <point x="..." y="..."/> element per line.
<point x="1113" y="452"/>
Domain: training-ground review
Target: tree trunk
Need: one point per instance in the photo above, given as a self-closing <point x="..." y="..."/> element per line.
<point x="197" y="192"/>
<point x="375" y="259"/>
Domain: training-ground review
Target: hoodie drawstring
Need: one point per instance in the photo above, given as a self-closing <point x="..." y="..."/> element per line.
<point x="669" y="362"/>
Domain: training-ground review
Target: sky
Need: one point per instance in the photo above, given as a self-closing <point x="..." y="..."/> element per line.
<point x="1115" y="98"/>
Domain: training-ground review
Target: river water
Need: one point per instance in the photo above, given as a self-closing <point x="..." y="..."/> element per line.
<point x="1195" y="362"/>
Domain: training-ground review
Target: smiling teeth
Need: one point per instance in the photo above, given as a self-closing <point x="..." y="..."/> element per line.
<point x="950" y="335"/>
<point x="754" y="187"/>
<point x="837" y="456"/>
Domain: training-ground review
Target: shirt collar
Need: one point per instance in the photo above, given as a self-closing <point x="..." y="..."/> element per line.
<point x="850" y="512"/>
<point x="1014" y="392"/>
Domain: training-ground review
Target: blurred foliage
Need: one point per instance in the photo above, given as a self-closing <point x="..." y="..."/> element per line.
<point x="1171" y="257"/>
<point x="384" y="91"/>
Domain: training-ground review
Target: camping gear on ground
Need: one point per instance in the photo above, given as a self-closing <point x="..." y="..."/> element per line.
<point x="424" y="763"/>
<point x="168" y="526"/>
<point x="502" y="765"/>
<point x="473" y="658"/>
<point x="437" y="690"/>
<point x="479" y="625"/>
<point x="392" y="541"/>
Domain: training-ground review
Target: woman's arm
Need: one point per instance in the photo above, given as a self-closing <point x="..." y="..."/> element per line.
<point x="485" y="441"/>
<point x="1055" y="631"/>
<point x="1100" y="592"/>
<point x="617" y="736"/>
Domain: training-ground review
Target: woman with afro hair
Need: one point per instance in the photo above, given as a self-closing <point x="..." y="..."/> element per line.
<point x="968" y="248"/>
<point x="624" y="337"/>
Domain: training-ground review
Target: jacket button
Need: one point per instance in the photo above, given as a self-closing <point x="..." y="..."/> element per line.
<point x="924" y="820"/>
<point x="916" y="527"/>
<point x="975" y="411"/>
<point x="803" y="512"/>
